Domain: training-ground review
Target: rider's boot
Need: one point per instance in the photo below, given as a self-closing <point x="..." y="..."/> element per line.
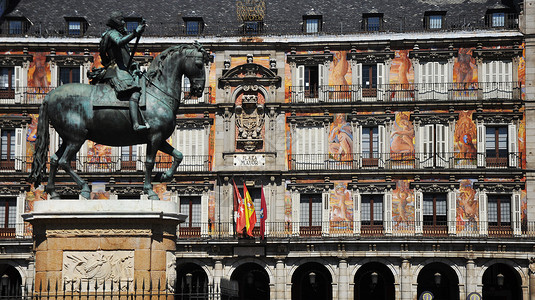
<point x="134" y="113"/>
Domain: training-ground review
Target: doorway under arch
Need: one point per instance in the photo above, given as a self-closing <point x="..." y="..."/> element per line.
<point x="253" y="282"/>
<point x="10" y="281"/>
<point x="501" y="282"/>
<point x="311" y="281"/>
<point x="439" y="279"/>
<point x="375" y="281"/>
<point x="191" y="281"/>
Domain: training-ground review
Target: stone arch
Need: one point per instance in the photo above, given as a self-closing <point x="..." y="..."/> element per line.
<point x="303" y="261"/>
<point x="439" y="277"/>
<point x="312" y="280"/>
<point x="524" y="277"/>
<point x="259" y="262"/>
<point x="192" y="279"/>
<point x="374" y="280"/>
<point x="14" y="280"/>
<point x="240" y="89"/>
<point x="385" y="262"/>
<point x="454" y="267"/>
<point x="209" y="271"/>
<point x="254" y="280"/>
<point x="23" y="273"/>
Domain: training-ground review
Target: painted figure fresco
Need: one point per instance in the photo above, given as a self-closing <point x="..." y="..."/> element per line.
<point x="341" y="139"/>
<point x="39" y="74"/>
<point x="340" y="75"/>
<point x="341" y="205"/>
<point x="402" y="205"/>
<point x="161" y="190"/>
<point x="402" y="137"/>
<point x="98" y="191"/>
<point x="467" y="207"/>
<point x="464" y="139"/>
<point x="402" y="75"/>
<point x="522" y="72"/>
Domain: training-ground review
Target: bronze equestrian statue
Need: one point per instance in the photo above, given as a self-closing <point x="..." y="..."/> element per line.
<point x="72" y="110"/>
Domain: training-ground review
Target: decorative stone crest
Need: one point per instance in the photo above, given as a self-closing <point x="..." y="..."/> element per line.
<point x="249" y="122"/>
<point x="97" y="267"/>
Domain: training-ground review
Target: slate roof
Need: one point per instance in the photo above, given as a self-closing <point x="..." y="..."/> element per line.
<point x="282" y="17"/>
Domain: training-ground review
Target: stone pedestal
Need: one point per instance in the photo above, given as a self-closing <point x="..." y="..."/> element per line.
<point x="124" y="242"/>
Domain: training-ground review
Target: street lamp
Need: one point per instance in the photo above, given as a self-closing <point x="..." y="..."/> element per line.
<point x="4" y="281"/>
<point x="499" y="280"/>
<point x="312" y="278"/>
<point x="438" y="278"/>
<point x="374" y="278"/>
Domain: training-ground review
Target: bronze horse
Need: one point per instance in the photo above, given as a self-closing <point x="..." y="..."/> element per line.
<point x="69" y="108"/>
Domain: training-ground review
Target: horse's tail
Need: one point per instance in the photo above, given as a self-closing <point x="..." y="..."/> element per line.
<point x="41" y="145"/>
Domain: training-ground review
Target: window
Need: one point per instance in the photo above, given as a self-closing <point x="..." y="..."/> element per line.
<point x="7" y="149"/>
<point x="7" y="83"/>
<point x="498" y="19"/>
<point x="370" y="146"/>
<point x="69" y="75"/>
<point x="433" y="77"/>
<point x="371" y="212"/>
<point x="8" y="216"/>
<point x="372" y="22"/>
<point x="309" y="147"/>
<point x="191" y="207"/>
<point x="434" y="19"/>
<point x="128" y="157"/>
<point x="191" y="142"/>
<point x="16" y="25"/>
<point x="434" y="145"/>
<point x="501" y="18"/>
<point x="311" y="81"/>
<point x="434" y="210"/>
<point x="310" y="214"/>
<point x="312" y="24"/>
<point x="132" y="24"/>
<point x="496" y="146"/>
<point x="253" y="27"/>
<point x="496" y="79"/>
<point x="499" y="210"/>
<point x="75" y="26"/>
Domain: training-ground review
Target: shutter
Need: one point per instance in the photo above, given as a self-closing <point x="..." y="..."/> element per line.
<point x="116" y="158"/>
<point x="388" y="213"/>
<point x="296" y="198"/>
<point x="18" y="84"/>
<point x="418" y="203"/>
<point x="381" y="145"/>
<point x="19" y="149"/>
<point x="427" y="141"/>
<point x="357" y="83"/>
<point x="19" y="222"/>
<point x="82" y="75"/>
<point x="81" y="157"/>
<point x="204" y="214"/>
<point x="481" y="154"/>
<point x="381" y="88"/>
<point x="425" y="81"/>
<point x="300" y="88"/>
<point x="322" y="82"/>
<point x="440" y="80"/>
<point x="452" y="212"/>
<point x="483" y="229"/>
<point x="141" y="156"/>
<point x="174" y="199"/>
<point x="359" y="145"/>
<point x="54" y="74"/>
<point x="516" y="217"/>
<point x="54" y="141"/>
<point x="183" y="85"/>
<point x="441" y="150"/>
<point x="356" y="212"/>
<point x="514" y="156"/>
<point x="325" y="222"/>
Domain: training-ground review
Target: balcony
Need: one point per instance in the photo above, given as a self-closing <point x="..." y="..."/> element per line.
<point x="403" y="161"/>
<point x="352" y="229"/>
<point x="190" y="99"/>
<point x="111" y="164"/>
<point x="408" y="92"/>
<point x="19" y="231"/>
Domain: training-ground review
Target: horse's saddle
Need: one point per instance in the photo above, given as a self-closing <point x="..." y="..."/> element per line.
<point x="104" y="96"/>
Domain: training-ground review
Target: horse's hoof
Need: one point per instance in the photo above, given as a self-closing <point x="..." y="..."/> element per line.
<point x="152" y="195"/>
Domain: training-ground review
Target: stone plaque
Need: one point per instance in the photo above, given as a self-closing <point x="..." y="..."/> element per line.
<point x="241" y="160"/>
<point x="97" y="267"/>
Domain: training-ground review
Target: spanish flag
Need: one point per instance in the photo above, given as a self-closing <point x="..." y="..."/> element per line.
<point x="250" y="214"/>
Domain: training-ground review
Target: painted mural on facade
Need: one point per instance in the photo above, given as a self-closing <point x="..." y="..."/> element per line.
<point x="402" y="206"/>
<point x="401" y="75"/>
<point x="287" y="204"/>
<point x="340" y="75"/>
<point x="98" y="191"/>
<point x="465" y="73"/>
<point x="402" y="136"/>
<point x="211" y="208"/>
<point x="341" y="207"/>
<point x="39" y="74"/>
<point x="465" y="139"/>
<point x="522" y="72"/>
<point x="467" y="206"/>
<point x="341" y="139"/>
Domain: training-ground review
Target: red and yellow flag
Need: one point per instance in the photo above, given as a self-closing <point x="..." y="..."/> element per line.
<point x="250" y="214"/>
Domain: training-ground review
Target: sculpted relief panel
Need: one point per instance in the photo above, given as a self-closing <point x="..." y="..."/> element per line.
<point x="80" y="267"/>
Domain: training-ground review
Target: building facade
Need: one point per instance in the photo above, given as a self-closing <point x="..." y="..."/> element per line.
<point x="392" y="142"/>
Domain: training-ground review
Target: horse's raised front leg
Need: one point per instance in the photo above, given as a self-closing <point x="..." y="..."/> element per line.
<point x="152" y="149"/>
<point x="65" y="162"/>
<point x="51" y="184"/>
<point x="177" y="159"/>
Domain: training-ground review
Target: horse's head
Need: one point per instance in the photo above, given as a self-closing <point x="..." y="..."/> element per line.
<point x="193" y="68"/>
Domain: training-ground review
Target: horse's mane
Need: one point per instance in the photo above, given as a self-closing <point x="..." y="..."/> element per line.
<point x="159" y="63"/>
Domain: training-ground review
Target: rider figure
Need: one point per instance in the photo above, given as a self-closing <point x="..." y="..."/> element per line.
<point x="115" y="56"/>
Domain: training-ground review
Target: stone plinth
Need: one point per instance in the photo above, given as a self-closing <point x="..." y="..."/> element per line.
<point x="104" y="241"/>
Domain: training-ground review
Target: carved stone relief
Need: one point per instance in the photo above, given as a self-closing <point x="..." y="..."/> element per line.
<point x="250" y="117"/>
<point x="170" y="271"/>
<point x="97" y="267"/>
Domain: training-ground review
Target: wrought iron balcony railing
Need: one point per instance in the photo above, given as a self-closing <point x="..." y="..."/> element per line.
<point x="376" y="160"/>
<point x="16" y="231"/>
<point x="351" y="229"/>
<point x="104" y="164"/>
<point x="406" y="92"/>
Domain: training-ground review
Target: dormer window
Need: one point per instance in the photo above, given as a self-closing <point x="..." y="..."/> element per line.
<point x="312" y="23"/>
<point x="434" y="20"/>
<point x="501" y="18"/>
<point x="132" y="23"/>
<point x="372" y="22"/>
<point x="193" y="25"/>
<point x="16" y="25"/>
<point x="253" y="26"/>
<point x="76" y="26"/>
